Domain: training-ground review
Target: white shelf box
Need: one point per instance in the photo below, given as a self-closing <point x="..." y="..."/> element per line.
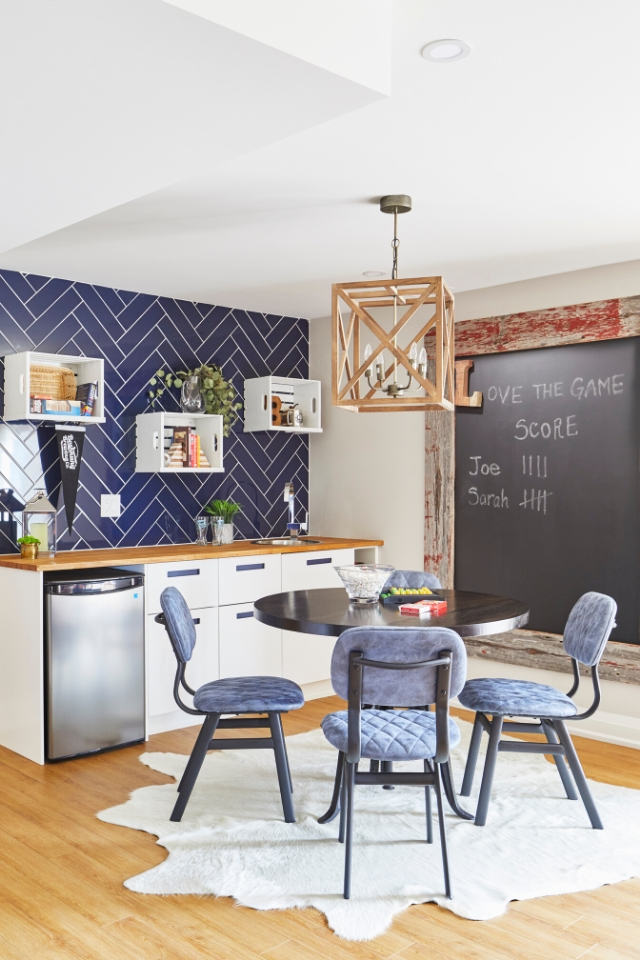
<point x="153" y="439"/>
<point x="257" y="403"/>
<point x="17" y="385"/>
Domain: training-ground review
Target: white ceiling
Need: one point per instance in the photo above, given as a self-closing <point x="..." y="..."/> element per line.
<point x="521" y="159"/>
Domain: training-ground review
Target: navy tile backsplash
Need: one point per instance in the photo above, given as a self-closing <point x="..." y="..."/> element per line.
<point x="138" y="334"/>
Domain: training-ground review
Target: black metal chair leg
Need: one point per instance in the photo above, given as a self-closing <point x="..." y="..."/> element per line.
<point x="386" y="766"/>
<point x="280" y="752"/>
<point x="374" y="766"/>
<point x="443" y="834"/>
<point x="350" y="775"/>
<point x="560" y="762"/>
<point x="427" y="799"/>
<point x="194" y="764"/>
<point x="489" y="770"/>
<point x="344" y="804"/>
<point x="578" y="774"/>
<point x="334" y="806"/>
<point x="472" y="758"/>
<point x="450" y="792"/>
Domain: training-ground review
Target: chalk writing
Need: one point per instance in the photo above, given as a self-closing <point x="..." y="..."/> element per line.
<point x="484" y="468"/>
<point x="548" y="430"/>
<point x="537" y="500"/>
<point x="488" y="499"/>
<point x="534" y="466"/>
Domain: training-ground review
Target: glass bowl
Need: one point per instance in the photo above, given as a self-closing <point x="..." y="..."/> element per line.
<point x="364" y="581"/>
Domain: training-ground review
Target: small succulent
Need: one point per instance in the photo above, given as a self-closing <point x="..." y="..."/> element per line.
<point x="27" y="540"/>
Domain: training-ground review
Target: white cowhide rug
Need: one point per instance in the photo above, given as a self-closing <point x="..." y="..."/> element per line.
<point x="233" y="841"/>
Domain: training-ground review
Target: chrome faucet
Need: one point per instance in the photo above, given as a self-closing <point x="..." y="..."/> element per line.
<point x="293" y="528"/>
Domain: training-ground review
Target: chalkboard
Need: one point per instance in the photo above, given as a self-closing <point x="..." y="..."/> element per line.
<point x="547" y="480"/>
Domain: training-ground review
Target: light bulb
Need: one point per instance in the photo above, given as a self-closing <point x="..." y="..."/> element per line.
<point x="367" y="354"/>
<point x="380" y="366"/>
<point x="413" y="353"/>
<point x="423" y="357"/>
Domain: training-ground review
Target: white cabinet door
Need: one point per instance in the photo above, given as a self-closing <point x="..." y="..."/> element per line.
<point x="197" y="581"/>
<point x="247" y="647"/>
<point x="161" y="662"/>
<point x="246" y="579"/>
<point x="310" y="571"/>
<point x="306" y="658"/>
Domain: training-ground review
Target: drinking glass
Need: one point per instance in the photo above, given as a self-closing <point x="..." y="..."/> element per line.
<point x="202" y="524"/>
<point x="217" y="527"/>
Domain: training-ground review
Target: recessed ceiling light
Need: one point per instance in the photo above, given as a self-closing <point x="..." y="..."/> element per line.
<point x="373" y="273"/>
<point x="446" y="51"/>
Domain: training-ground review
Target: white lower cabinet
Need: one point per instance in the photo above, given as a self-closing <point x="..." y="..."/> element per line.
<point x="248" y="647"/>
<point x="161" y="661"/>
<point x="306" y="658"/>
<point x="313" y="571"/>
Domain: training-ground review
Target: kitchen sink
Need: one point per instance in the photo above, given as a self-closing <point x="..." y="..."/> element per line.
<point x="284" y="541"/>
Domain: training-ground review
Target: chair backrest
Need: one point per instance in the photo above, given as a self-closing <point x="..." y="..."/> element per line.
<point x="412" y="578"/>
<point x="179" y="623"/>
<point x="589" y="627"/>
<point x="398" y="688"/>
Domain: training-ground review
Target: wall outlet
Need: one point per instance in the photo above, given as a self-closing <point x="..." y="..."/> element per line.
<point x="110" y="505"/>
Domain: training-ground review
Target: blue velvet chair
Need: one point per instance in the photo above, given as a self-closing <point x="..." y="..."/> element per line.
<point x="412" y="578"/>
<point x="394" y="666"/>
<point x="586" y="633"/>
<point x="235" y="695"/>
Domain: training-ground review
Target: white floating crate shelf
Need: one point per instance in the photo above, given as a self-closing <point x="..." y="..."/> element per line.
<point x="17" y="385"/>
<point x="257" y="403"/>
<point x="153" y="438"/>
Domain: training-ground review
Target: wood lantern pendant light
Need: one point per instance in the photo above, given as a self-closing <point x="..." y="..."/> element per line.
<point x="420" y="375"/>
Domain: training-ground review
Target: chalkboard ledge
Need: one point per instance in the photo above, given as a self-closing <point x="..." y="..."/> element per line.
<point x="544" y="651"/>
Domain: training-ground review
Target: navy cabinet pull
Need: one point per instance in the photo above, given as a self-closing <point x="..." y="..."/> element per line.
<point x="183" y="573"/>
<point x="241" y="616"/>
<point x="196" y="620"/>
<point x="317" y="560"/>
<point x="249" y="566"/>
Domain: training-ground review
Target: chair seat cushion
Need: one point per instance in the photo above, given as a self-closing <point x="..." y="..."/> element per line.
<point x="516" y="698"/>
<point x="389" y="734"/>
<point x="249" y="695"/>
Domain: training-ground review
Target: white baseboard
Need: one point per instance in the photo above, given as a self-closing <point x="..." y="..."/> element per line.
<point x="617" y="720"/>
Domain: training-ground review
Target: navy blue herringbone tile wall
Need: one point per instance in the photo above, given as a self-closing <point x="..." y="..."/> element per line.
<point x="138" y="334"/>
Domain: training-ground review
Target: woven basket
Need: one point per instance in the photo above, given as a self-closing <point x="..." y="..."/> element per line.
<point x="58" y="383"/>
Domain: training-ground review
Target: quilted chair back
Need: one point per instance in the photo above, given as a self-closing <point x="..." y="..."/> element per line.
<point x="398" y="688"/>
<point x="589" y="627"/>
<point x="412" y="578"/>
<point x="179" y="623"/>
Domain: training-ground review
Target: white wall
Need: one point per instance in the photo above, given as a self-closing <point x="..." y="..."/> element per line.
<point x="367" y="470"/>
<point x="559" y="290"/>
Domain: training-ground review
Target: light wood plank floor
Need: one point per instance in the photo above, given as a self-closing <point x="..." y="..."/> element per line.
<point x="61" y="875"/>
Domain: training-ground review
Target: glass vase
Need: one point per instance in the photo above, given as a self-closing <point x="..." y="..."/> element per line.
<point x="191" y="399"/>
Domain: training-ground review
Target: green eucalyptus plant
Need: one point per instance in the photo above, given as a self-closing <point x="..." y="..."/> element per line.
<point x="219" y="395"/>
<point x="226" y="509"/>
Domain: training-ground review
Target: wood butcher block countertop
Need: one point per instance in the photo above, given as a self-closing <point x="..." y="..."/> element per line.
<point x="116" y="556"/>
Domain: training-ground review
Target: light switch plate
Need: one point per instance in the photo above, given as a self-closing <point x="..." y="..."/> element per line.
<point x="110" y="505"/>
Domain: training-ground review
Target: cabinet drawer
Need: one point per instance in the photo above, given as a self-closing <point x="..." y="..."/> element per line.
<point x="309" y="571"/>
<point x="161" y="662"/>
<point x="306" y="658"/>
<point x="247" y="647"/>
<point x="197" y="581"/>
<point x="246" y="579"/>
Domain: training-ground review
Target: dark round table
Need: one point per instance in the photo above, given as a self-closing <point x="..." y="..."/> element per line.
<point x="330" y="612"/>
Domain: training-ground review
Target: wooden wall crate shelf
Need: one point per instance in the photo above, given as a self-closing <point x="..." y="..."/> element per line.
<point x="153" y="439"/>
<point x="258" y="393"/>
<point x="17" y="385"/>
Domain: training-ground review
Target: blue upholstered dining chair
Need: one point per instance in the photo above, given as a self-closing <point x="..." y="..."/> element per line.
<point x="412" y="578"/>
<point x="585" y="636"/>
<point x="394" y="666"/>
<point x="235" y="695"/>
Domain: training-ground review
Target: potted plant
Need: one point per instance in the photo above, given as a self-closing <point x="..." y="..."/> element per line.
<point x="28" y="547"/>
<point x="226" y="509"/>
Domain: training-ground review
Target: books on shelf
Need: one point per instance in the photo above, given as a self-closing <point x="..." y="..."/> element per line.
<point x="60" y="408"/>
<point x="86" y="394"/>
<point x="183" y="449"/>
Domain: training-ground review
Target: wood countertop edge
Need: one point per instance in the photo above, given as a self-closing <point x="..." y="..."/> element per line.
<point x="116" y="556"/>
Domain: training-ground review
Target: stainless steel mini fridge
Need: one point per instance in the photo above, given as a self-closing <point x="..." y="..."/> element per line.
<point x="94" y="661"/>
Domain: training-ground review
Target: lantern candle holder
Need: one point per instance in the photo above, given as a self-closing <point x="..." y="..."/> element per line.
<point x="39" y="519"/>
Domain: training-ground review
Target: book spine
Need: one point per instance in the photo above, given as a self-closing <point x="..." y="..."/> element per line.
<point x="192" y="450"/>
<point x="197" y="450"/>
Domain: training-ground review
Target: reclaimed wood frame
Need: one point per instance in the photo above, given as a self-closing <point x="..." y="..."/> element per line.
<point x="558" y="326"/>
<point x="413" y="294"/>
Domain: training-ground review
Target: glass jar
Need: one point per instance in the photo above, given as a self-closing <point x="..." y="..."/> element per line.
<point x="191" y="399"/>
<point x="39" y="519"/>
<point x="217" y="530"/>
